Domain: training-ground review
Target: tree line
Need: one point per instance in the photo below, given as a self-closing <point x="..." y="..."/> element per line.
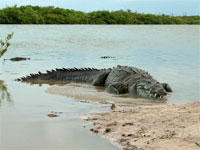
<point x="51" y="15"/>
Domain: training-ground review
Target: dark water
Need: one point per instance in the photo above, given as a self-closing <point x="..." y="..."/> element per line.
<point x="170" y="53"/>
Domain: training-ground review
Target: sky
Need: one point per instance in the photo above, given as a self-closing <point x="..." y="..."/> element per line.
<point x="170" y="7"/>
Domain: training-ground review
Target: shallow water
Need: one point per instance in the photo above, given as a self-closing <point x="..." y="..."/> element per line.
<point x="169" y="53"/>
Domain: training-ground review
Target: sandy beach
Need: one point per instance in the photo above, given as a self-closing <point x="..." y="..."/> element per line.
<point x="160" y="127"/>
<point x="132" y="125"/>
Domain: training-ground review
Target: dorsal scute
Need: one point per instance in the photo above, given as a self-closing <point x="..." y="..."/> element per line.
<point x="134" y="70"/>
<point x="71" y="70"/>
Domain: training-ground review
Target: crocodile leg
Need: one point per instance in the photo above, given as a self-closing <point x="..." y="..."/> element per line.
<point x="117" y="88"/>
<point x="101" y="78"/>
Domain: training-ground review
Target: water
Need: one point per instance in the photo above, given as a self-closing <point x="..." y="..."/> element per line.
<point x="169" y="53"/>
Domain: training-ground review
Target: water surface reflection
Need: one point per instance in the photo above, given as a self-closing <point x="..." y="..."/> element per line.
<point x="4" y="94"/>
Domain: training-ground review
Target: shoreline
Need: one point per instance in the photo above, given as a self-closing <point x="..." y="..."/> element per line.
<point x="153" y="127"/>
<point x="132" y="124"/>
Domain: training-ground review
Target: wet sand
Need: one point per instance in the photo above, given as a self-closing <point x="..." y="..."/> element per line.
<point x="139" y="126"/>
<point x="85" y="92"/>
<point x="166" y="127"/>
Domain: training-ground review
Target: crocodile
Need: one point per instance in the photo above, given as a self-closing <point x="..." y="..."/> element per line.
<point x="17" y="59"/>
<point x="117" y="80"/>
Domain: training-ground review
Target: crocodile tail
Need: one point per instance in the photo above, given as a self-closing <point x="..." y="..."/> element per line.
<point x="61" y="75"/>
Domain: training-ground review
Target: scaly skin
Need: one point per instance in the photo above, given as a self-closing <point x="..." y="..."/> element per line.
<point x="118" y="80"/>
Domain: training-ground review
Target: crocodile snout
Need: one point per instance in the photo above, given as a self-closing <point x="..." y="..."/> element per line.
<point x="161" y="92"/>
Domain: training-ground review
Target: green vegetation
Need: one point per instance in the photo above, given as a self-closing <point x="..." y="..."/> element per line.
<point x="51" y="15"/>
<point x="4" y="45"/>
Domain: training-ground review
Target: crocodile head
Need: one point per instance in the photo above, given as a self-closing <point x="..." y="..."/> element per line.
<point x="150" y="89"/>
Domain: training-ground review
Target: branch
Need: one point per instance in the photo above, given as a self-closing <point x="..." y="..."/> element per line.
<point x="4" y="45"/>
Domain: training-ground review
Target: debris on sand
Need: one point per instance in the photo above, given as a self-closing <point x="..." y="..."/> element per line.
<point x="174" y="127"/>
